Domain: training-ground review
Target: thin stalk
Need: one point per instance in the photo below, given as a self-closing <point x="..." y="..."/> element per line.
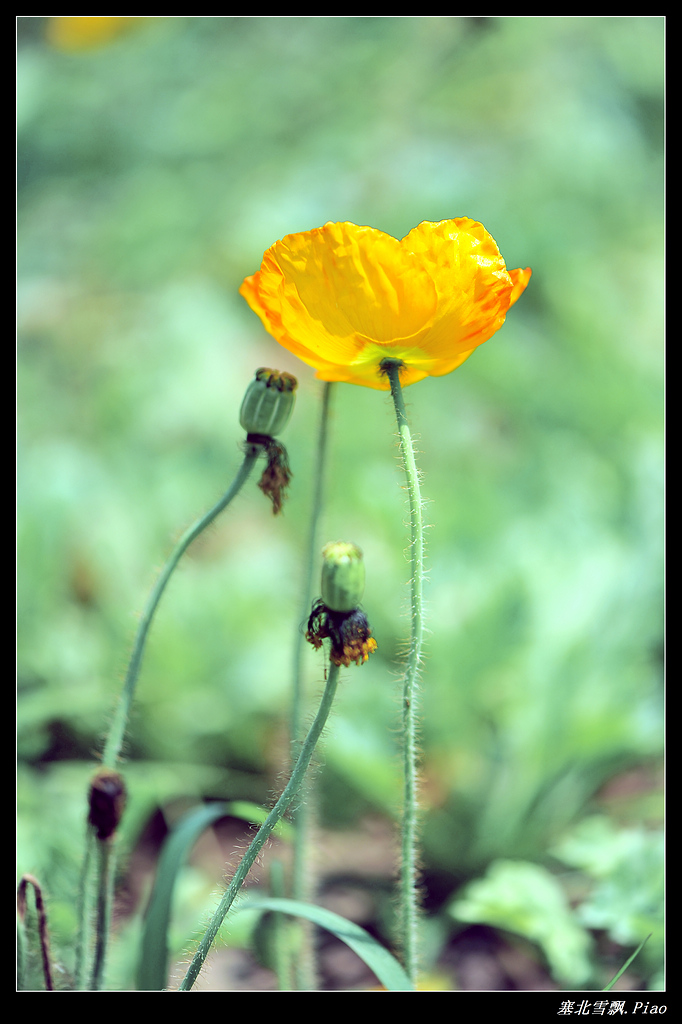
<point x="117" y="731"/>
<point x="105" y="889"/>
<point x="281" y="951"/>
<point x="86" y="904"/>
<point x="301" y="883"/>
<point x="409" y="897"/>
<point x="115" y="738"/>
<point x="265" y="831"/>
<point x="297" y="710"/>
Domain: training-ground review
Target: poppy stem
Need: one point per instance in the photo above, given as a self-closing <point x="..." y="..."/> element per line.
<point x="115" y="738"/>
<point x="264" y="832"/>
<point x="303" y="874"/>
<point x="298" y="709"/>
<point x="94" y="855"/>
<point x="409" y="896"/>
<point x="105" y="883"/>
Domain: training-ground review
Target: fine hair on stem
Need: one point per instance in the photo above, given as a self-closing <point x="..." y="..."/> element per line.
<point x="409" y="892"/>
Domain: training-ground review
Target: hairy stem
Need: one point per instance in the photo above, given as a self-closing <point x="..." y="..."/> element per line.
<point x="115" y="738"/>
<point x="265" y="831"/>
<point x="409" y="897"/>
<point x="105" y="890"/>
<point x="86" y="904"/>
<point x="94" y="852"/>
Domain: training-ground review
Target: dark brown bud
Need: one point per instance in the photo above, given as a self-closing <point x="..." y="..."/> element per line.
<point x="107" y="801"/>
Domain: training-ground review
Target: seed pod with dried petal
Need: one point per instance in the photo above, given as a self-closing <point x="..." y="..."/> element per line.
<point x="268" y="402"/>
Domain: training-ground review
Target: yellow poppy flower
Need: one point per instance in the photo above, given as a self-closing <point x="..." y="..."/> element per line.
<point x="343" y="298"/>
<point x="72" y="33"/>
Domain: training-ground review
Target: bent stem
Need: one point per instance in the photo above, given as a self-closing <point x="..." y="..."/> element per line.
<point x="43" y="935"/>
<point x="117" y="730"/>
<point x="114" y="744"/>
<point x="265" y="831"/>
<point x="409" y="899"/>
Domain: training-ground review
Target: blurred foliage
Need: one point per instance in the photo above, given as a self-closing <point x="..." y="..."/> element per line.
<point x="528" y="900"/>
<point x="153" y="172"/>
<point x="619" y="891"/>
<point x="626" y="891"/>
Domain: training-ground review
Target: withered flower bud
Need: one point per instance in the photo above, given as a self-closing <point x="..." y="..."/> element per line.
<point x="337" y="616"/>
<point x="107" y="801"/>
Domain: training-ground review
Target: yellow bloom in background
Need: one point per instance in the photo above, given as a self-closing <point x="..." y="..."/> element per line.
<point x="343" y="298"/>
<point x="66" y="33"/>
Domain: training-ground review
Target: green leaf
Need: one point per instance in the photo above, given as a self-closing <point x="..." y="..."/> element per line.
<point x="152" y="971"/>
<point x="387" y="969"/>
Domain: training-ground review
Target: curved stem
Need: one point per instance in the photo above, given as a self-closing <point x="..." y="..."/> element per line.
<point x="409" y="901"/>
<point x="265" y="830"/>
<point x="112" y="749"/>
<point x="116" y="736"/>
<point x="43" y="936"/>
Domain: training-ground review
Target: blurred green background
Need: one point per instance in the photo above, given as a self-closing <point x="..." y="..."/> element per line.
<point x="154" y="170"/>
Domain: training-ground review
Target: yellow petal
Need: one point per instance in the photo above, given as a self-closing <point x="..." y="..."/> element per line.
<point x="473" y="284"/>
<point x="343" y="298"/>
<point x="520" y="279"/>
<point x="332" y="288"/>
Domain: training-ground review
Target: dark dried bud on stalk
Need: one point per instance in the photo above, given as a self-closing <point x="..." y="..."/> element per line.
<point x="107" y="801"/>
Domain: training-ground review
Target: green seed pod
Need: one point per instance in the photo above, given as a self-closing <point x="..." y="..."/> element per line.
<point x="343" y="576"/>
<point x="268" y="402"/>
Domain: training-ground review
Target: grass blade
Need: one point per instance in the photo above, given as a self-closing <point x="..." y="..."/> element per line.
<point x="388" y="970"/>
